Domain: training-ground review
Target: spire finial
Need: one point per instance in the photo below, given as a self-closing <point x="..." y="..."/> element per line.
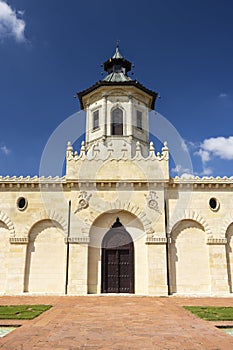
<point x="117" y="67"/>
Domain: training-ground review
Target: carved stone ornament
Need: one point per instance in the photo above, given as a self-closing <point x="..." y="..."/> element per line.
<point x="152" y="201"/>
<point x="83" y="201"/>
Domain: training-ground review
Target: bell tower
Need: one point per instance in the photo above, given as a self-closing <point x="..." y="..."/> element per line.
<point x="117" y="107"/>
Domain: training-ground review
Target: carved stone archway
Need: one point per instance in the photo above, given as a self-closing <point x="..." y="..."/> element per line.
<point x="117" y="261"/>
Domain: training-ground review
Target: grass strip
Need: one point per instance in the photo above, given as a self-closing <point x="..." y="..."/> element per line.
<point x="212" y="313"/>
<point x="22" y="312"/>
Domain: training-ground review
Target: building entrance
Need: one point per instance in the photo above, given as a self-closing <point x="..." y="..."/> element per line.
<point x="117" y="260"/>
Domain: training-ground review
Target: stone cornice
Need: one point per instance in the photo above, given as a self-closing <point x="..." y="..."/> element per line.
<point x="196" y="182"/>
<point x="70" y="184"/>
<point x="156" y="240"/>
<point x="216" y="241"/>
<point x="35" y="182"/>
<point x="42" y="179"/>
<point x="19" y="240"/>
<point x="91" y="94"/>
<point x="77" y="240"/>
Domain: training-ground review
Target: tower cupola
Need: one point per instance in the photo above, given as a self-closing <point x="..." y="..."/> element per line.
<point x="117" y="107"/>
<point x="117" y="67"/>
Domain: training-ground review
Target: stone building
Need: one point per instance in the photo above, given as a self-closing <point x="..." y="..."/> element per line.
<point x="116" y="222"/>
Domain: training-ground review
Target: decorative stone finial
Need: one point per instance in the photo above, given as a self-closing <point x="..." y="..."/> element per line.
<point x="138" y="154"/>
<point x="69" y="151"/>
<point x="69" y="146"/>
<point x="152" y="150"/>
<point x="82" y="150"/>
<point x="165" y="151"/>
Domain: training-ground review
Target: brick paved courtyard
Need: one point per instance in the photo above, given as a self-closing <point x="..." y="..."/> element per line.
<point x="116" y="322"/>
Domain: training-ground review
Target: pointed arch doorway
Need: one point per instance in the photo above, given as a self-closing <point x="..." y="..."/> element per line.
<point x="117" y="264"/>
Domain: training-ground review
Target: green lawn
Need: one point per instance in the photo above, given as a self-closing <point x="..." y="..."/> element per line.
<point x="212" y="313"/>
<point x="22" y="312"/>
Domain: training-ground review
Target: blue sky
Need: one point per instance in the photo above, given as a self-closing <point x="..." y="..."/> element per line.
<point x="183" y="49"/>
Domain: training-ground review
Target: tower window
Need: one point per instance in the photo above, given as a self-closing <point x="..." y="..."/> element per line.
<point x="117" y="122"/>
<point x="95" y="120"/>
<point x="139" y="120"/>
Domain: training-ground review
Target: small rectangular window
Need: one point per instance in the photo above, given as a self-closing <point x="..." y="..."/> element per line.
<point x="95" y="120"/>
<point x="139" y="120"/>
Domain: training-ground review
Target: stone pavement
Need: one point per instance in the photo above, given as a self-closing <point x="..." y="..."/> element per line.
<point x="116" y="322"/>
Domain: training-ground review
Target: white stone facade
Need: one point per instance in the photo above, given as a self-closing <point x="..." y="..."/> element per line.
<point x="198" y="240"/>
<point x="179" y="230"/>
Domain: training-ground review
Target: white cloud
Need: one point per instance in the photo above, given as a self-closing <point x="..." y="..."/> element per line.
<point x="10" y="23"/>
<point x="205" y="155"/>
<point x="187" y="176"/>
<point x="184" y="145"/>
<point x="207" y="171"/>
<point x="187" y="145"/>
<point x="5" y="150"/>
<point x="21" y="13"/>
<point x="221" y="147"/>
<point x="180" y="169"/>
<point x="222" y="95"/>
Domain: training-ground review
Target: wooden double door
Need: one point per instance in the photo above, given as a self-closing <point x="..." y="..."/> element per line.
<point x="117" y="261"/>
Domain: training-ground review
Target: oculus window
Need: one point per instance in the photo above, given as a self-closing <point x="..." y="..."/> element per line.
<point x="22" y="203"/>
<point x="214" y="204"/>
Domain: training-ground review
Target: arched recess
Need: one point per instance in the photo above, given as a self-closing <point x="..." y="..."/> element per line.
<point x="46" y="258"/>
<point x="189" y="259"/>
<point x="229" y="256"/>
<point x="6" y="231"/>
<point x="226" y="224"/>
<point x="189" y="215"/>
<point x="100" y="226"/>
<point x="117" y="263"/>
<point x="50" y="215"/>
<point x="7" y="221"/>
<point x="4" y="254"/>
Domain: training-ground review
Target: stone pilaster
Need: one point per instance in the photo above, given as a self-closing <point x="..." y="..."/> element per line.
<point x="157" y="266"/>
<point x="218" y="266"/>
<point x="105" y="115"/>
<point x="78" y="266"/>
<point x="16" y="265"/>
<point x="130" y="123"/>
